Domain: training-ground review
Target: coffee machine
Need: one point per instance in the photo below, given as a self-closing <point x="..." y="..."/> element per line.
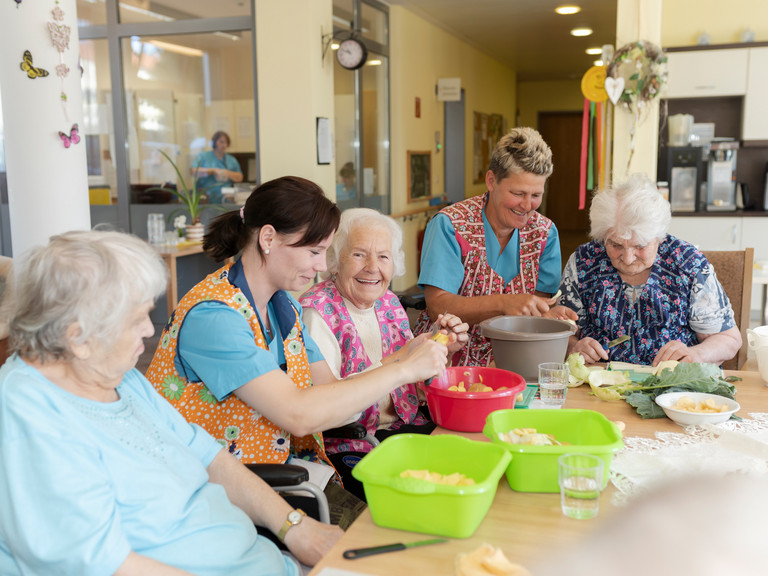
<point x="721" y="176"/>
<point x="685" y="175"/>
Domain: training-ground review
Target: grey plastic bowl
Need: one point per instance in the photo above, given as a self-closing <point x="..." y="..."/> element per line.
<point x="521" y="343"/>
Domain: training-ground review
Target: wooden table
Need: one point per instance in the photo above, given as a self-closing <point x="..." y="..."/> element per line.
<point x="170" y="255"/>
<point x="517" y="522"/>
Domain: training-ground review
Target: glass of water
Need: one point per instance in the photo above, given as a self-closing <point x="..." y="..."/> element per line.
<point x="581" y="480"/>
<point x="156" y="228"/>
<point x="553" y="382"/>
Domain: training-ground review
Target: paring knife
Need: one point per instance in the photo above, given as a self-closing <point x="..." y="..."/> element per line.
<point x="360" y="552"/>
<point x="616" y="342"/>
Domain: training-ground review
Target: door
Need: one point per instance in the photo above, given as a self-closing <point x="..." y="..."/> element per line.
<point x="562" y="131"/>
<point x="454" y="151"/>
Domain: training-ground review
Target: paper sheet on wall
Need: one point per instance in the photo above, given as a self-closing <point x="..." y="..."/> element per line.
<point x="244" y="128"/>
<point x="324" y="141"/>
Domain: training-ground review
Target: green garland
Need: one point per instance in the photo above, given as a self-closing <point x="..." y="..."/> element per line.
<point x="643" y="66"/>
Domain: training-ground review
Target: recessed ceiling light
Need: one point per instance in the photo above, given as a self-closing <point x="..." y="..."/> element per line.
<point x="568" y="9"/>
<point x="594" y="51"/>
<point x="581" y="31"/>
<point x="598" y="62"/>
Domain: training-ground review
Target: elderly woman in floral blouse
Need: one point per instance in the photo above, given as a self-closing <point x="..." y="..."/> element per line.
<point x="634" y="279"/>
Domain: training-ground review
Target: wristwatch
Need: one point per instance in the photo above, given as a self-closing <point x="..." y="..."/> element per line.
<point x="294" y="517"/>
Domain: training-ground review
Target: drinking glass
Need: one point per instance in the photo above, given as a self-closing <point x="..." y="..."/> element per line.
<point x="553" y="382"/>
<point x="581" y="480"/>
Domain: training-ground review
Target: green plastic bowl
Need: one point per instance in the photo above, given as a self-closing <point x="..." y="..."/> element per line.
<point x="534" y="468"/>
<point x="426" y="507"/>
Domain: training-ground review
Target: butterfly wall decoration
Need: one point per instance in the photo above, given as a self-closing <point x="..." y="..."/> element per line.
<point x="72" y="138"/>
<point x="27" y="66"/>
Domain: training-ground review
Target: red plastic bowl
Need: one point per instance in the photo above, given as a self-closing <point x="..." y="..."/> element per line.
<point x="467" y="411"/>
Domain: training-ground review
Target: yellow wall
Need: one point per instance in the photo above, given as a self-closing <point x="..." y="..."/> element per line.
<point x="552" y="96"/>
<point x="683" y="21"/>
<point x="295" y="86"/>
<point x="420" y="53"/>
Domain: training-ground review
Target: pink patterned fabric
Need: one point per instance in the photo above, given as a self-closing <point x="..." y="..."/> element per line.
<point x="395" y="332"/>
<point x="479" y="278"/>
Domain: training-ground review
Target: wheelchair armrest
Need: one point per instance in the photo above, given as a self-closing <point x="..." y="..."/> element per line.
<point x="280" y="474"/>
<point x="416" y="301"/>
<point x="353" y="431"/>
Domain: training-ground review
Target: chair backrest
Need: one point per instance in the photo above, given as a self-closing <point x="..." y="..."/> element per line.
<point x="734" y="271"/>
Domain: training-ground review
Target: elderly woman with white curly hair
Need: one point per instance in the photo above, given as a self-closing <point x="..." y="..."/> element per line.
<point x="358" y="322"/>
<point x="634" y="279"/>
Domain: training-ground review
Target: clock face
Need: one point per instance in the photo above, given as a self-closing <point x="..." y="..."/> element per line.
<point x="351" y="54"/>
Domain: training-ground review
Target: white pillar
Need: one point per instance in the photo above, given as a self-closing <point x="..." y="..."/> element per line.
<point x="47" y="182"/>
<point x="636" y="20"/>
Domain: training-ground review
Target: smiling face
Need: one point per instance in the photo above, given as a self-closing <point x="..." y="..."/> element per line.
<point x="366" y="265"/>
<point x="293" y="267"/>
<point x="512" y="200"/>
<point x="633" y="259"/>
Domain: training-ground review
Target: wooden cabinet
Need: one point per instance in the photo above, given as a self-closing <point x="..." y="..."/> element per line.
<point x="755" y="118"/>
<point x="709" y="233"/>
<point x="701" y="73"/>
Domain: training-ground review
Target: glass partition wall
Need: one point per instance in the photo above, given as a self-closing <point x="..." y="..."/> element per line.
<point x="163" y="77"/>
<point x="362" y="108"/>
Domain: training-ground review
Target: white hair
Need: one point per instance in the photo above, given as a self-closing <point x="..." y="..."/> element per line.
<point x="358" y="217"/>
<point x="633" y="208"/>
<point x="91" y="278"/>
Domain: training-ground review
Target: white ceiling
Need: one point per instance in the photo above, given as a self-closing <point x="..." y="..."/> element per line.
<point x="526" y="35"/>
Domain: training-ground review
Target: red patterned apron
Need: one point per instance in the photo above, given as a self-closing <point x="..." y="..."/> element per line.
<point x="479" y="278"/>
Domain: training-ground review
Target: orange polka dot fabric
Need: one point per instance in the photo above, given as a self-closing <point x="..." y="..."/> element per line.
<point x="247" y="434"/>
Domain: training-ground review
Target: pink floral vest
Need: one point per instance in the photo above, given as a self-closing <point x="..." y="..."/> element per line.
<point x="479" y="278"/>
<point x="395" y="332"/>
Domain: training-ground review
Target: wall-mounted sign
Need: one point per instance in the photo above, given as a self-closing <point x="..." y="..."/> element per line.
<point x="449" y="89"/>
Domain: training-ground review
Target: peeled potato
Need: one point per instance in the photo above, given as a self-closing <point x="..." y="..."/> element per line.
<point x="487" y="560"/>
<point x="441" y="338"/>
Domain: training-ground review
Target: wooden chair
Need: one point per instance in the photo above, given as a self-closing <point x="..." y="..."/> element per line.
<point x="734" y="271"/>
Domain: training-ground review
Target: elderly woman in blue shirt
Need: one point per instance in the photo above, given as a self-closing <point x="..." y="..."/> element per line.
<point x="98" y="473"/>
<point x="634" y="279"/>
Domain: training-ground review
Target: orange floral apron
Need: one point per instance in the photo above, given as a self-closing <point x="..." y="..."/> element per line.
<point x="247" y="434"/>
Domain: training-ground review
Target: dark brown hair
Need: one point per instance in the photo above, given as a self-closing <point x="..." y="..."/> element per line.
<point x="290" y="204"/>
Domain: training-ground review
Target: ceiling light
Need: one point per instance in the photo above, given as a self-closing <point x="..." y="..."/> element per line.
<point x="581" y="32"/>
<point x="598" y="62"/>
<point x="335" y="45"/>
<point x="178" y="49"/>
<point x="594" y="51"/>
<point x="568" y="9"/>
<point x="373" y="63"/>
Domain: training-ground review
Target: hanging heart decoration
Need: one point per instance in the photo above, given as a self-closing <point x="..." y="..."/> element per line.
<point x="642" y="69"/>
<point x="614" y="87"/>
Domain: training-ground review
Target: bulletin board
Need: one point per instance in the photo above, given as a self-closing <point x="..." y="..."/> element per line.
<point x="488" y="130"/>
<point x="419" y="175"/>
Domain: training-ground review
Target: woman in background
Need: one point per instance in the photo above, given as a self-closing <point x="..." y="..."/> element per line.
<point x="216" y="169"/>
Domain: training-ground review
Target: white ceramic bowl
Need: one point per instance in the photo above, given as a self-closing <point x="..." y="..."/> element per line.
<point x="686" y="418"/>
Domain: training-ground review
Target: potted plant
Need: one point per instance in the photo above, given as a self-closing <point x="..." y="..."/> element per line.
<point x="190" y="197"/>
